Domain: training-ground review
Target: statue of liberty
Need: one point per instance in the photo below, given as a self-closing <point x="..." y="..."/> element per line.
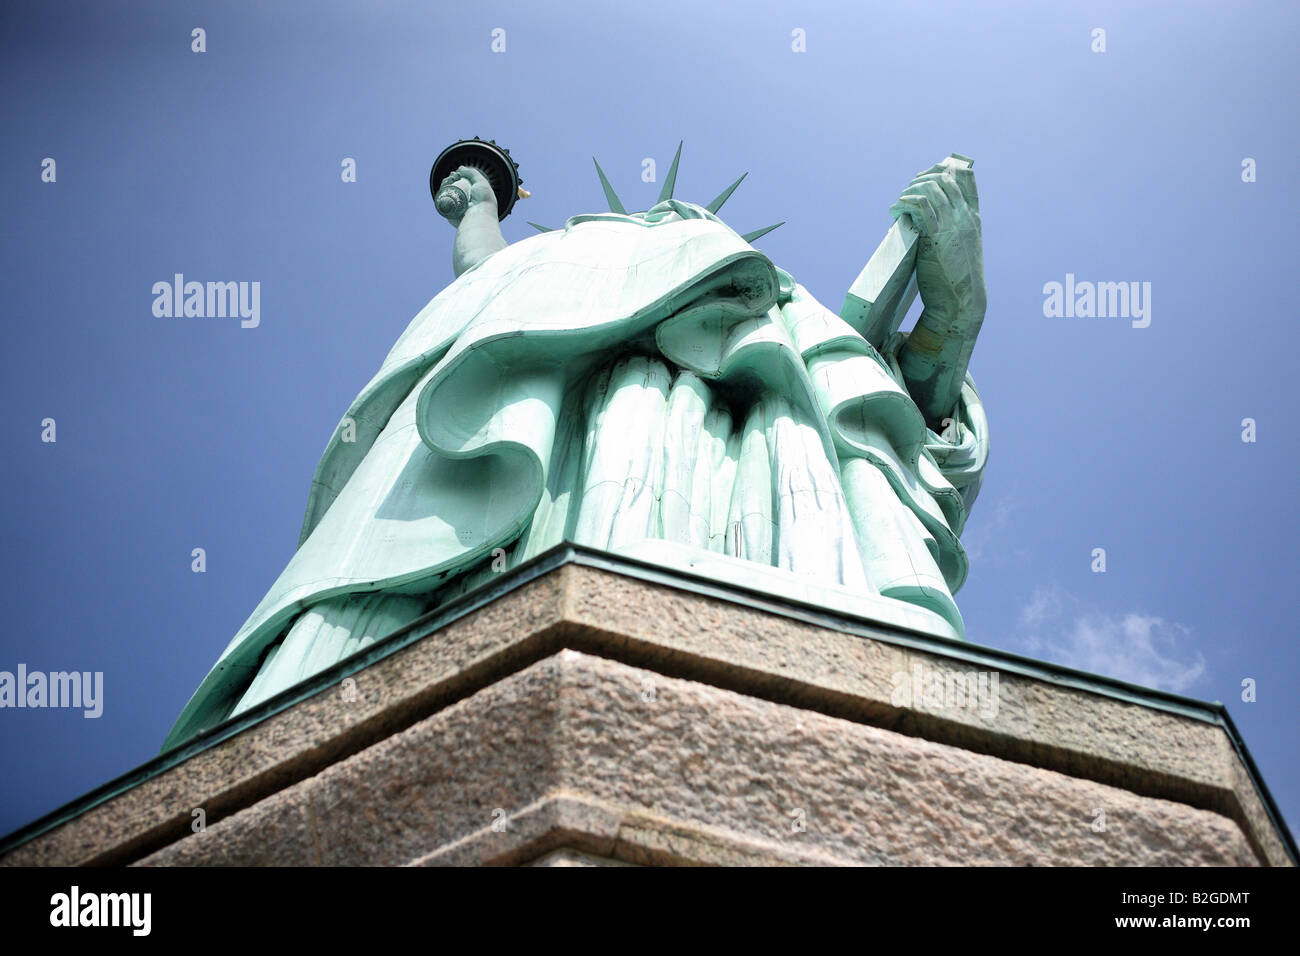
<point x="646" y="383"/>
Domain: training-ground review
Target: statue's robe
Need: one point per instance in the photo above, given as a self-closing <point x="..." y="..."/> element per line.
<point x="626" y="378"/>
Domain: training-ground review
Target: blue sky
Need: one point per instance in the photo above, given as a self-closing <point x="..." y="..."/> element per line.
<point x="174" y="434"/>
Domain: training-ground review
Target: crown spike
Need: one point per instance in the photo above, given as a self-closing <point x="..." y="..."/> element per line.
<point x="759" y="233"/>
<point x="540" y="228"/>
<point x="611" y="197"/>
<point x="714" y="206"/>
<point x="671" y="181"/>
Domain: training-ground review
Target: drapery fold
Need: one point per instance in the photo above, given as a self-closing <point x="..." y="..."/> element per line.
<point x="479" y="429"/>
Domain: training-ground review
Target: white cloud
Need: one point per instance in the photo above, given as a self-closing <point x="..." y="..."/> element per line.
<point x="984" y="530"/>
<point x="1134" y="647"/>
<point x="1044" y="604"/>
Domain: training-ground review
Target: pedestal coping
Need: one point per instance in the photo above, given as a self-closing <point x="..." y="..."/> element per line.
<point x="732" y="591"/>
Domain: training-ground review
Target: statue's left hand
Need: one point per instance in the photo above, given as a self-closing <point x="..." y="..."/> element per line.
<point x="943" y="204"/>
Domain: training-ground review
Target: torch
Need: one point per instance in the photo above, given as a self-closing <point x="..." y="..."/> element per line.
<point x="487" y="157"/>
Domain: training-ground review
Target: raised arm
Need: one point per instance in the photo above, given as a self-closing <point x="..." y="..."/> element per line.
<point x="466" y="200"/>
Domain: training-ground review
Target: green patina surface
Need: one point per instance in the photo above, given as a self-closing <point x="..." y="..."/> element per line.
<point x="646" y="383"/>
